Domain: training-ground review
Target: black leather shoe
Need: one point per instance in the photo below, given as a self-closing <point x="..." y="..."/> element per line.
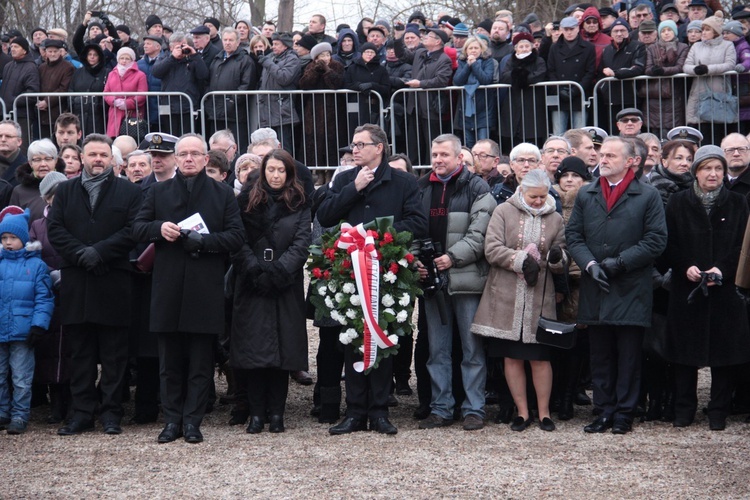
<point x="403" y="389"/>
<point x="566" y="411"/>
<point x="682" y="422"/>
<point x="170" y="433"/>
<point x="75" y="427"/>
<point x="422" y="412"/>
<point x="622" y="426"/>
<point x="192" y="434"/>
<point x="112" y="428"/>
<point x="582" y="399"/>
<point x="277" y="424"/>
<point x="717" y="423"/>
<point x="546" y="424"/>
<point x="504" y="415"/>
<point x="348" y="425"/>
<point x="255" y="426"/>
<point x="382" y="425"/>
<point x="520" y="424"/>
<point x="239" y="418"/>
<point x="392" y="401"/>
<point x="599" y="425"/>
<point x="302" y="377"/>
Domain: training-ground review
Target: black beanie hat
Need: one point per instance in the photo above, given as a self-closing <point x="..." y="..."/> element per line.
<point x="22" y="42"/>
<point x="572" y="164"/>
<point x="124" y="28"/>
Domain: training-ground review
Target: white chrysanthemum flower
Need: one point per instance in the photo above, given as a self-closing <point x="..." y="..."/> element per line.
<point x="390" y="311"/>
<point x="328" y="302"/>
<point x="322" y="290"/>
<point x="349" y="288"/>
<point x="351" y="333"/>
<point x="387" y="300"/>
<point x="344" y="338"/>
<point x="401" y="317"/>
<point x="405" y="300"/>
<point x="393" y="339"/>
<point x="354" y="300"/>
<point x="332" y="286"/>
<point x="389" y="277"/>
<point x="403" y="263"/>
<point x="339" y="297"/>
<point x="351" y="313"/>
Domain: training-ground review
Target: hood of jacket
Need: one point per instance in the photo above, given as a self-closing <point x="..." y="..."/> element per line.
<point x="351" y="34"/>
<point x="590" y="12"/>
<point x="84" y="59"/>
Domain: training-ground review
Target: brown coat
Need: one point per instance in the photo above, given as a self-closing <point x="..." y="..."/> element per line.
<point x="510" y="308"/>
<point x="742" y="279"/>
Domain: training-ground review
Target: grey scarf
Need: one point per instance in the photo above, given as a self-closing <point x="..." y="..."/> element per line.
<point x="93" y="184"/>
<point x="707" y="199"/>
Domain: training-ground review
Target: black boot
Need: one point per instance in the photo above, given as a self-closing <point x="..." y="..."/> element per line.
<point x="330" y="405"/>
<point x="58" y="406"/>
<point x="566" y="411"/>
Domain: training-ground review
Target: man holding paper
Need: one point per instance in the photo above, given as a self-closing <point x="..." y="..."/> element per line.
<point x="195" y="224"/>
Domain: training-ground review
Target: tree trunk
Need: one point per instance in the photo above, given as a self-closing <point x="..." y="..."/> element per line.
<point x="286" y="15"/>
<point x="257" y="12"/>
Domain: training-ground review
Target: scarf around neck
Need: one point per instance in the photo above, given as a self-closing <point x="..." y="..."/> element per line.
<point x="708" y="200"/>
<point x="93" y="184"/>
<point x="612" y="195"/>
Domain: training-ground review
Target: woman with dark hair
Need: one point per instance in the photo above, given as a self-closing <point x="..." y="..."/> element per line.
<point x="269" y="335"/>
<point x="673" y="174"/>
<point x="707" y="321"/>
<point x="71" y="155"/>
<point x="90" y="78"/>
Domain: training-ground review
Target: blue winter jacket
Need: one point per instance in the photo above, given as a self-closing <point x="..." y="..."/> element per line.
<point x="26" y="298"/>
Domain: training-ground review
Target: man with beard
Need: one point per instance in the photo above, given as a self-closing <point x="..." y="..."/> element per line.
<point x="89" y="226"/>
<point x="499" y="44"/>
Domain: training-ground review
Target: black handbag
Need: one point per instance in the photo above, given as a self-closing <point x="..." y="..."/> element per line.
<point x="135" y="127"/>
<point x="552" y="332"/>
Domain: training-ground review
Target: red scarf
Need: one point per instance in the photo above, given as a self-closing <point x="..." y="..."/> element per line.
<point x="612" y="195"/>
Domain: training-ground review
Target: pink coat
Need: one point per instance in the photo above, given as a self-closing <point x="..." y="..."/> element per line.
<point x="134" y="80"/>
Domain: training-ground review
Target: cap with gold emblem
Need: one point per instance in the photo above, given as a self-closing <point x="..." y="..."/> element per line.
<point x="685" y="134"/>
<point x="597" y="135"/>
<point x="159" y="142"/>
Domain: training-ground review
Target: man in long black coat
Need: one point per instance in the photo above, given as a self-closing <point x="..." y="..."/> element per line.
<point x="359" y="195"/>
<point x="616" y="231"/>
<point x="187" y="299"/>
<point x="90" y="227"/>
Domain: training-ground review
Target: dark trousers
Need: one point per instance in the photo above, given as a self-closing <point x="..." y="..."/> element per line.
<point x="147" y="387"/>
<point x="92" y="344"/>
<point x="267" y="389"/>
<point x="686" y="387"/>
<point x="367" y="395"/>
<point x="330" y="357"/>
<point x="402" y="359"/>
<point x="186" y="362"/>
<point x="616" y="354"/>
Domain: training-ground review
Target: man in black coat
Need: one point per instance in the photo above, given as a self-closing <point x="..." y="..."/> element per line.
<point x="187" y="300"/>
<point x="615" y="232"/>
<point x="89" y="226"/>
<point x="11" y="156"/>
<point x="359" y="195"/>
<point x="203" y="45"/>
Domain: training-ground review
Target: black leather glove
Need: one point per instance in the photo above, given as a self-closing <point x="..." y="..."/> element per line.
<point x="35" y="334"/>
<point x="88" y="258"/>
<point x="701" y="69"/>
<point x="365" y="87"/>
<point x="598" y="275"/>
<point x="657" y="71"/>
<point x="192" y="241"/>
<point x="282" y="278"/>
<point x="555" y="254"/>
<point x="744" y="294"/>
<point x="613" y="266"/>
<point x="530" y="270"/>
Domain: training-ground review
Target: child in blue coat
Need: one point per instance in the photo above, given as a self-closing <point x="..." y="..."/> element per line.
<point x="26" y="305"/>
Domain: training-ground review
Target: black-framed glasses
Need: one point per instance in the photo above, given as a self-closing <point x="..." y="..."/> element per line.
<point x="740" y="150"/>
<point x="483" y="156"/>
<point x="361" y="145"/>
<point x="629" y="120"/>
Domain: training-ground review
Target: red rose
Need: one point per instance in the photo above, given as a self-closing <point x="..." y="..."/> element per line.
<point x="380" y="256"/>
<point x="346" y="264"/>
<point x="393" y="268"/>
<point x="317" y="273"/>
<point x="388" y="238"/>
<point x="351" y="275"/>
<point x="409" y="258"/>
<point x="327" y="275"/>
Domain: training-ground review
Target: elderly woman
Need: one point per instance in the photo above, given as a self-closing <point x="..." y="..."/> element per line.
<point x="707" y="321"/>
<point x="524" y="235"/>
<point x="269" y="337"/>
<point x="244" y="165"/>
<point x="476" y="111"/>
<point x="43" y="159"/>
<point x="673" y="174"/>
<point x="126" y="77"/>
<point x="523" y="159"/>
<point x="711" y="56"/>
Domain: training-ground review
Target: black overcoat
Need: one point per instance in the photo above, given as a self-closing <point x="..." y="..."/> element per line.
<point x="713" y="330"/>
<point x="86" y="297"/>
<point x="187" y="294"/>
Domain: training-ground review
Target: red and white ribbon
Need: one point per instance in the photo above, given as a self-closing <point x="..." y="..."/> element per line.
<point x="366" y="268"/>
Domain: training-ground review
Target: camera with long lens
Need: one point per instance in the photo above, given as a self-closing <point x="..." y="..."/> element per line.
<point x="427" y="251"/>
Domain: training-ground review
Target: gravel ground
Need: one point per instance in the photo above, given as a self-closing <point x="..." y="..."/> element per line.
<point x="655" y="460"/>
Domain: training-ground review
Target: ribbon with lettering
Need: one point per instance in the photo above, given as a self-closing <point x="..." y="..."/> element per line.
<point x="361" y="248"/>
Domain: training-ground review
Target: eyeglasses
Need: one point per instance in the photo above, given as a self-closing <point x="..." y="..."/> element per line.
<point x="629" y="120"/>
<point x="591" y="20"/>
<point x="483" y="156"/>
<point x="226" y="150"/>
<point x="559" y="151"/>
<point x="530" y="161"/>
<point x="740" y="150"/>
<point x="361" y="145"/>
<point x="194" y="154"/>
<point x="46" y="159"/>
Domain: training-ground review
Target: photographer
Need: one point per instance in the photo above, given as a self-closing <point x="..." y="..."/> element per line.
<point x="95" y="28"/>
<point x="182" y="71"/>
<point x="458" y="206"/>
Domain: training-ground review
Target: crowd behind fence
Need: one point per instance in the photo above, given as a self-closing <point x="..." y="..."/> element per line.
<point x="314" y="125"/>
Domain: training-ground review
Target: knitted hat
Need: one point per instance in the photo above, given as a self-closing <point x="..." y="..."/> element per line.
<point x="572" y="164"/>
<point x="214" y="21"/>
<point x="307" y="42"/>
<point x="127" y="50"/>
<point x="49" y="43"/>
<point x="708" y="152"/>
<point x="695" y="25"/>
<point x="734" y="27"/>
<point x="368" y="46"/>
<point x="486" y="25"/>
<point x="714" y="23"/>
<point x="21" y="42"/>
<point x="38" y="29"/>
<point x="385" y="24"/>
<point x="152" y="20"/>
<point x="620" y="22"/>
<point x="124" y="28"/>
<point x="415" y="30"/>
<point x="523" y="36"/>
<point x="460" y="30"/>
<point x="284" y="38"/>
<point x="17" y="225"/>
<point x="668" y="24"/>
<point x="96" y="24"/>
<point x="319" y="49"/>
<point x="50" y="181"/>
<point x="417" y="14"/>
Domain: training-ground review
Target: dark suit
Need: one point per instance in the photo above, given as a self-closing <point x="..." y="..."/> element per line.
<point x="95" y="305"/>
<point x="187" y="302"/>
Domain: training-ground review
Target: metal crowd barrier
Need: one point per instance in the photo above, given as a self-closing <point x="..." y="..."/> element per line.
<point x="311" y="124"/>
<point x="499" y="112"/>
<point x="170" y="112"/>
<point x="670" y="101"/>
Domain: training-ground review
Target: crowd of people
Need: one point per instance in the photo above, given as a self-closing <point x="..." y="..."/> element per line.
<point x="154" y="261"/>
